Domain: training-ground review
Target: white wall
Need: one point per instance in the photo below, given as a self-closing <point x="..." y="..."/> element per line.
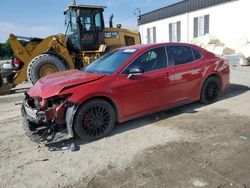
<point x="229" y="22"/>
<point x="162" y="29"/>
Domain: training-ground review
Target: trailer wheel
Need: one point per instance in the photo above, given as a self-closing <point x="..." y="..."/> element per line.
<point x="43" y="65"/>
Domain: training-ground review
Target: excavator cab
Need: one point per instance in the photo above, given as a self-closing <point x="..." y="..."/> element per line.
<point x="85" y="27"/>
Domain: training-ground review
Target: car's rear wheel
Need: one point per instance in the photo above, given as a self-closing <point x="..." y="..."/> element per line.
<point x="94" y="120"/>
<point x="210" y="91"/>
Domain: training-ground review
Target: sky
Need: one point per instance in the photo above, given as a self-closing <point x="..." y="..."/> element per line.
<point x="41" y="18"/>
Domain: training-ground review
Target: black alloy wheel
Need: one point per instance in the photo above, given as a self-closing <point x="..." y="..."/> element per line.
<point x="210" y="91"/>
<point x="94" y="120"/>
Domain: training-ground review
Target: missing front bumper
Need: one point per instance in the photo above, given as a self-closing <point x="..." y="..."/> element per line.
<point x="42" y="125"/>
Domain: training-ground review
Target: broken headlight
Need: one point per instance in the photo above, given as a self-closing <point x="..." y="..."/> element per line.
<point x="57" y="100"/>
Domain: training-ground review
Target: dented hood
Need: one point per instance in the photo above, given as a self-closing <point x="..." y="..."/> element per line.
<point x="53" y="84"/>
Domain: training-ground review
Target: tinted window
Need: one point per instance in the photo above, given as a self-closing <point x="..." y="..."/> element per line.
<point x="86" y="23"/>
<point x="197" y="55"/>
<point x="181" y="54"/>
<point x="110" y="62"/>
<point x="71" y="22"/>
<point x="150" y="60"/>
<point x="98" y="22"/>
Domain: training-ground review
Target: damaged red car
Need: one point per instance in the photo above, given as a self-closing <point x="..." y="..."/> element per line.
<point x="122" y="85"/>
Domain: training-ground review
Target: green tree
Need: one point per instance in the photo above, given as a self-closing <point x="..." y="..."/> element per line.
<point x="1" y="51"/>
<point x="5" y="50"/>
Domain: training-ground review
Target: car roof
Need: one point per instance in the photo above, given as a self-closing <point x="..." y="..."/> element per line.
<point x="146" y="46"/>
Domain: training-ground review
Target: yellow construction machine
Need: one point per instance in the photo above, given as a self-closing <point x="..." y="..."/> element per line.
<point x="85" y="39"/>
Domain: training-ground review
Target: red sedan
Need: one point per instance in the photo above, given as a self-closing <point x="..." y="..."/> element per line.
<point x="122" y="85"/>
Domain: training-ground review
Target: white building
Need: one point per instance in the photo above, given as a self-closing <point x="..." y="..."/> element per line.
<point x="227" y="20"/>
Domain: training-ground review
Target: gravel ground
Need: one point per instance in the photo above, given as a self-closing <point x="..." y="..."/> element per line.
<point x="189" y="146"/>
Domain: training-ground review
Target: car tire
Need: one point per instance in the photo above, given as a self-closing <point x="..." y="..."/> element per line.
<point x="94" y="120"/>
<point x="210" y="90"/>
<point x="42" y="65"/>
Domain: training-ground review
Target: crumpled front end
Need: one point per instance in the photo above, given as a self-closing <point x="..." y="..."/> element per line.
<point x="43" y="118"/>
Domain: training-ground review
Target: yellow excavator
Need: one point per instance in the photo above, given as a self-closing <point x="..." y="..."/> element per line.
<point x="85" y="40"/>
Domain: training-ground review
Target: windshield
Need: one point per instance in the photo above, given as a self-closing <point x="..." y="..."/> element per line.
<point x="110" y="62"/>
<point x="70" y="22"/>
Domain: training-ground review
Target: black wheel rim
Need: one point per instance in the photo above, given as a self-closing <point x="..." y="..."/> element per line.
<point x="96" y="121"/>
<point x="211" y="91"/>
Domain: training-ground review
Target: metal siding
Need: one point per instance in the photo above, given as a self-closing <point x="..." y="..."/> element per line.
<point x="177" y="9"/>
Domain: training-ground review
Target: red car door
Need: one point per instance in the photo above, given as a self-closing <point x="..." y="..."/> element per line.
<point x="187" y="70"/>
<point x="151" y="90"/>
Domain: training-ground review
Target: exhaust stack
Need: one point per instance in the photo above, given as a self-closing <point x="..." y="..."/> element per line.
<point x="111" y="21"/>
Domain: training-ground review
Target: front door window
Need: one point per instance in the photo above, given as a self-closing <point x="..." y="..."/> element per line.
<point x="151" y="60"/>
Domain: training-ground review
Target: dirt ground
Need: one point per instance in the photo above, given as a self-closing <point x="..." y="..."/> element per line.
<point x="189" y="146"/>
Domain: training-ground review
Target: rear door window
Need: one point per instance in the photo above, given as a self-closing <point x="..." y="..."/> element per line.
<point x="180" y="54"/>
<point x="197" y="54"/>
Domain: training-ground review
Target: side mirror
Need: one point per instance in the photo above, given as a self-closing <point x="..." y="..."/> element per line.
<point x="135" y="72"/>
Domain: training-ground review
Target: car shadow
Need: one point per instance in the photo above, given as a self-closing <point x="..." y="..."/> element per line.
<point x="234" y="90"/>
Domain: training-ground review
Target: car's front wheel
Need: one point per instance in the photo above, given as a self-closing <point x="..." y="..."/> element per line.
<point x="94" y="120"/>
<point x="210" y="90"/>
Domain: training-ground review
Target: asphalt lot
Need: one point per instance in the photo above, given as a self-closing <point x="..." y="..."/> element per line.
<point x="189" y="146"/>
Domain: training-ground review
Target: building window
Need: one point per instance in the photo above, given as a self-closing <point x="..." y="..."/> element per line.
<point x="201" y="26"/>
<point x="175" y="32"/>
<point x="151" y="35"/>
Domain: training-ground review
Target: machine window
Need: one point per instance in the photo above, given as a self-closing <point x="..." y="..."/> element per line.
<point x="98" y="23"/>
<point x="86" y="23"/>
<point x="73" y="22"/>
<point x="129" y="41"/>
